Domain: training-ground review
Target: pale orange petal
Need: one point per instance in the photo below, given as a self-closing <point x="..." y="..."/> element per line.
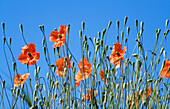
<point x="59" y="42"/>
<point x="78" y="78"/>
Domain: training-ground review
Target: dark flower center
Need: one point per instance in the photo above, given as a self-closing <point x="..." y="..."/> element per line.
<point x="118" y="53"/>
<point x="29" y="54"/>
<point x="60" y="35"/>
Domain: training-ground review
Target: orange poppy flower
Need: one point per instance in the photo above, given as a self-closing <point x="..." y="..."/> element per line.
<point x="61" y="65"/>
<point x="87" y="68"/>
<point x="29" y="55"/>
<point x="58" y="37"/>
<point x="117" y="54"/>
<point x="19" y="80"/>
<point x="102" y="75"/>
<point x="89" y="94"/>
<point x="165" y="70"/>
<point x="146" y="94"/>
<point x="83" y="75"/>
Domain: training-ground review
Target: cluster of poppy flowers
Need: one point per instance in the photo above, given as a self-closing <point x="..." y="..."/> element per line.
<point x="29" y="56"/>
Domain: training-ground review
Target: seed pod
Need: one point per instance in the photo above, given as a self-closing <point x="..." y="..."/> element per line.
<point x="117" y="22"/>
<point x="125" y="20"/>
<point x="128" y="30"/>
<point x="3" y="84"/>
<point x="3" y="27"/>
<point x="48" y="75"/>
<point x="36" y="99"/>
<point x="83" y="26"/>
<point x="36" y="86"/>
<point x="18" y="92"/>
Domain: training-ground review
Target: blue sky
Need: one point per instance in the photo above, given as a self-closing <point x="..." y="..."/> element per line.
<point x="95" y="13"/>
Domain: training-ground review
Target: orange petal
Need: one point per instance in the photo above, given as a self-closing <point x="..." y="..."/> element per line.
<point x="66" y="63"/>
<point x="63" y="30"/>
<point x="101" y="73"/>
<point x="162" y="74"/>
<point x="23" y="58"/>
<point x="118" y="47"/>
<point x="167" y="74"/>
<point x="35" y="59"/>
<point x="117" y="64"/>
<point x="148" y="92"/>
<point x="19" y="80"/>
<point x="59" y="42"/>
<point x="80" y="65"/>
<point x="60" y="72"/>
<point x="89" y="95"/>
<point x="53" y="36"/>
<point x="25" y="76"/>
<point x="77" y="83"/>
<point x="86" y="73"/>
<point x="29" y="48"/>
<point x="78" y="78"/>
<point x="59" y="63"/>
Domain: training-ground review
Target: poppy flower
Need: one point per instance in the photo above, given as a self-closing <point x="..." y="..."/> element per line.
<point x="146" y="94"/>
<point x="29" y="55"/>
<point x="102" y="75"/>
<point x="89" y="94"/>
<point x="83" y="75"/>
<point x="165" y="70"/>
<point x="117" y="55"/>
<point x="19" y="80"/>
<point x="61" y="64"/>
<point x="58" y="37"/>
<point x="87" y="68"/>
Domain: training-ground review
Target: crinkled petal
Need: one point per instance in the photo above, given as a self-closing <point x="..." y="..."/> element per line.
<point x="23" y="58"/>
<point x="53" y="36"/>
<point x="118" y="47"/>
<point x="29" y="48"/>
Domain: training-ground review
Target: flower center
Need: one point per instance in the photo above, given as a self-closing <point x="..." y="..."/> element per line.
<point x="60" y="35"/>
<point x="29" y="54"/>
<point x="21" y="79"/>
<point x="30" y="57"/>
<point x="118" y="53"/>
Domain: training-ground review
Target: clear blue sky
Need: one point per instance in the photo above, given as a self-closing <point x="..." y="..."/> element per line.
<point x="95" y="13"/>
